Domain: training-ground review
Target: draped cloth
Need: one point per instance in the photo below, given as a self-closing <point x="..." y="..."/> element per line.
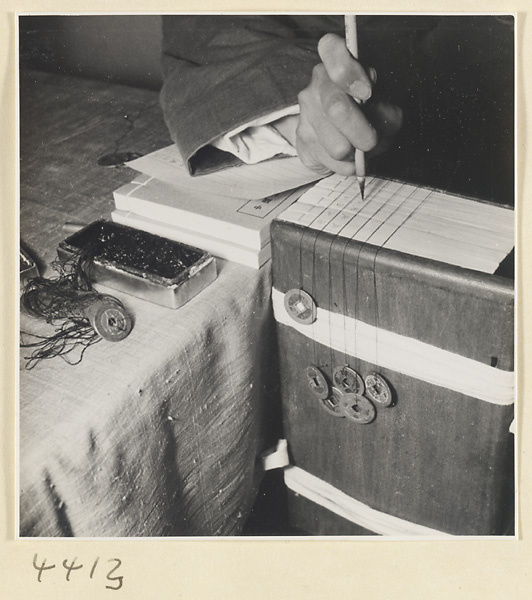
<point x="158" y="434"/>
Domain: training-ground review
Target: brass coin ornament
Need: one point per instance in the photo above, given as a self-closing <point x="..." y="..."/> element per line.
<point x="332" y="404"/>
<point x="317" y="382"/>
<point x="109" y="318"/>
<point x="348" y="380"/>
<point x="81" y="316"/>
<point x="357" y="408"/>
<point x="378" y="390"/>
<point x="300" y="306"/>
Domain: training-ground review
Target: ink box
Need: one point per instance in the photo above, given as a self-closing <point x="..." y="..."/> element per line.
<point x="28" y="268"/>
<point x="139" y="263"/>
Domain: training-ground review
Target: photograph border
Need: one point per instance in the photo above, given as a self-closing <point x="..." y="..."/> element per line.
<point x="247" y="567"/>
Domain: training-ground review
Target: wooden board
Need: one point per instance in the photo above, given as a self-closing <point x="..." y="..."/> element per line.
<point x="439" y="458"/>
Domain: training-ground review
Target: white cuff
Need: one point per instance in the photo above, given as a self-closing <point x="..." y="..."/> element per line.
<point x="258" y="140"/>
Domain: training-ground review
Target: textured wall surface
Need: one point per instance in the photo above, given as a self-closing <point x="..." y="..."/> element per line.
<point x="115" y="48"/>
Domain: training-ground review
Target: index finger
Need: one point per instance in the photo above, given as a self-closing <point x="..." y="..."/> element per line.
<point x="345" y="114"/>
<point x="342" y="68"/>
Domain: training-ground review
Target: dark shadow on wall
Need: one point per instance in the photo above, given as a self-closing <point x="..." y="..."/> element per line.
<point x="115" y="48"/>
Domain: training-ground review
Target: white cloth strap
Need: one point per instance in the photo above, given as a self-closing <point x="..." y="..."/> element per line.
<point x="331" y="498"/>
<point x="403" y="354"/>
<point x="324" y="494"/>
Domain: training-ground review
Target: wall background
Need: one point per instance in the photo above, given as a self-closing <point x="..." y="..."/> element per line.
<point x="115" y="48"/>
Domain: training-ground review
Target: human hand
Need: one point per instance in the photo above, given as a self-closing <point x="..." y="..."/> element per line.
<point x="332" y="122"/>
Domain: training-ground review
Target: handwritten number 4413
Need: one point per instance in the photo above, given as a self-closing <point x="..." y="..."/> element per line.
<point x="116" y="581"/>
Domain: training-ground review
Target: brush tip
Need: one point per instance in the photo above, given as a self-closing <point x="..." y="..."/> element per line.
<point x="361" y="185"/>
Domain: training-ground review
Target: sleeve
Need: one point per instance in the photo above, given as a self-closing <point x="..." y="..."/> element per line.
<point x="259" y="140"/>
<point x="221" y="72"/>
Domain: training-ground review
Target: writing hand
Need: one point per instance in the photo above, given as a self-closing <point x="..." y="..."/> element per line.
<point x="332" y="123"/>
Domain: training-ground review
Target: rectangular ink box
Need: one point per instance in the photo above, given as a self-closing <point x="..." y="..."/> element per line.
<point x="139" y="263"/>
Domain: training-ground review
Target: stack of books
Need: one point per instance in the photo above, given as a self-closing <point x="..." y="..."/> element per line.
<point x="227" y="213"/>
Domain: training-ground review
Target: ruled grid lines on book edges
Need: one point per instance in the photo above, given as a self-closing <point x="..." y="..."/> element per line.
<point x="415" y="220"/>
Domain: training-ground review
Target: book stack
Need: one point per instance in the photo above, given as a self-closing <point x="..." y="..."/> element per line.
<point x="227" y="213"/>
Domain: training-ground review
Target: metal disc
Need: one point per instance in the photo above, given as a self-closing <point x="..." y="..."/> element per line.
<point x="300" y="306"/>
<point x="110" y="319"/>
<point x="317" y="382"/>
<point x="117" y="159"/>
<point x="357" y="408"/>
<point x="348" y="380"/>
<point x="332" y="404"/>
<point x="378" y="390"/>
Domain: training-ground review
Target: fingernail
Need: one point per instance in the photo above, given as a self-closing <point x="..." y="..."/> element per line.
<point x="360" y="90"/>
<point x="372" y="75"/>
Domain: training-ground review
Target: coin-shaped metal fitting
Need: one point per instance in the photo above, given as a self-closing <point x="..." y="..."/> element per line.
<point x="357" y="408"/>
<point x="110" y="319"/>
<point x="378" y="390"/>
<point x="300" y="306"/>
<point x="348" y="380"/>
<point x="317" y="382"/>
<point x="117" y="159"/>
<point x="332" y="404"/>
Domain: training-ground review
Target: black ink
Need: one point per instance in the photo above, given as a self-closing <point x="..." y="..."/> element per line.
<point x="71" y="567"/>
<point x="116" y="581"/>
<point x="119" y="578"/>
<point x="94" y="567"/>
<point x="42" y="568"/>
<point x="130" y="250"/>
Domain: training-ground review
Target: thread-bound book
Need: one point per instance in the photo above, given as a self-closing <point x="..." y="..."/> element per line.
<point x="234" y="228"/>
<point x="244" y="255"/>
<point x="396" y="340"/>
<point x="415" y="220"/>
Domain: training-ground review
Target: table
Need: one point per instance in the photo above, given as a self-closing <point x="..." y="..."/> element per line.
<point x="157" y="435"/>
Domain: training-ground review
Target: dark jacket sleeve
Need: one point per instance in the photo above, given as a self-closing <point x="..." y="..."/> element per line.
<point x="224" y="71"/>
<point x="451" y="75"/>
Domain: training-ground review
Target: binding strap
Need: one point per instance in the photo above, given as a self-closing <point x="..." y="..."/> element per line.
<point x="403" y="354"/>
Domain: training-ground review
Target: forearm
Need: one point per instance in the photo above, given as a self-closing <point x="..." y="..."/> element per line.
<point x="222" y="72"/>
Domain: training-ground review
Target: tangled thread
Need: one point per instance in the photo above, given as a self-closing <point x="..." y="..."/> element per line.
<point x="62" y="302"/>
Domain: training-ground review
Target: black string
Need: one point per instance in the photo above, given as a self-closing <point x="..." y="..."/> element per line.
<point x="431" y="191"/>
<point x="357" y="261"/>
<point x="362" y="244"/>
<point x="335" y="237"/>
<point x="313" y="276"/>
<point x="62" y="301"/>
<point x="331" y="351"/>
<point x="69" y="337"/>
